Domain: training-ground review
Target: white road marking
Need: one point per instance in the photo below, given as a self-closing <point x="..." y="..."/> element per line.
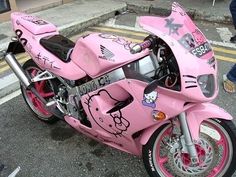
<point x="14" y="173"/>
<point x="9" y="97"/>
<point x="225" y="34"/>
<point x="223" y="44"/>
<point x="8" y="80"/>
<point x="211" y="132"/>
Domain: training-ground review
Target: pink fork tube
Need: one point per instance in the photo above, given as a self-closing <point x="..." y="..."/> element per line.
<point x="188" y="139"/>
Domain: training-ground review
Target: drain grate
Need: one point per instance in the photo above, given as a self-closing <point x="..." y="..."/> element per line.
<point x="3" y="36"/>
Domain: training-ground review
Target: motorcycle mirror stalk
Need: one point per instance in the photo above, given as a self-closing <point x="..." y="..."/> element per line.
<point x="151" y="87"/>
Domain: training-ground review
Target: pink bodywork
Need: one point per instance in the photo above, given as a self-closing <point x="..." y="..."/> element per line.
<point x="88" y="53"/>
<point x="186" y="33"/>
<point x="33" y="29"/>
<point x="129" y="128"/>
<point x="102" y="53"/>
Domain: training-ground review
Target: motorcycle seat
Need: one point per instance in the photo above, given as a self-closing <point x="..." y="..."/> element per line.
<point x="58" y="45"/>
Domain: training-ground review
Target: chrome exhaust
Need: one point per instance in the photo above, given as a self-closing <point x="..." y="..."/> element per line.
<point x="21" y="75"/>
<point x="17" y="69"/>
<point x="26" y="81"/>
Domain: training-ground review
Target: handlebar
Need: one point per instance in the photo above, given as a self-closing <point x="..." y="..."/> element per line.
<point x="141" y="46"/>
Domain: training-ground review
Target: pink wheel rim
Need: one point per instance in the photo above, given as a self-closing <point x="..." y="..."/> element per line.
<point x="160" y="161"/>
<point x="42" y="89"/>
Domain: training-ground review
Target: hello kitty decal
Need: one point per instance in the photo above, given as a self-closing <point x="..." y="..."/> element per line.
<point x="113" y="121"/>
<point x="198" y="36"/>
<point x="150" y="99"/>
<point x="195" y="43"/>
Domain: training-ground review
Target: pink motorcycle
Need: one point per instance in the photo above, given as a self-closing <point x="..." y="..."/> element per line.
<point x="150" y="99"/>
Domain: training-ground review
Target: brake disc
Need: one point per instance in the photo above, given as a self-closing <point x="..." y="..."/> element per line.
<point x="207" y="162"/>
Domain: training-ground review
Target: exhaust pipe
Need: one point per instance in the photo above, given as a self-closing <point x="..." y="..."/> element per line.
<point x="17" y="69"/>
<point x="21" y="75"/>
<point x="26" y="81"/>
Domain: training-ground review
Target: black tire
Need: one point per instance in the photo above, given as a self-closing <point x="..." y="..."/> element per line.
<point x="228" y="167"/>
<point x="43" y="115"/>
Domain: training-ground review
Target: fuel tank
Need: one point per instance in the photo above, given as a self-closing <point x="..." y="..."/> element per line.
<point x="98" y="53"/>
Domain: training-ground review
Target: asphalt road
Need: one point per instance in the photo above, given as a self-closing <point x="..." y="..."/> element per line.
<point x="43" y="150"/>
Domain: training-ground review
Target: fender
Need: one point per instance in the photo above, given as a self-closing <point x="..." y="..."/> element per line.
<point x="201" y="112"/>
<point x="195" y="116"/>
<point x="147" y="133"/>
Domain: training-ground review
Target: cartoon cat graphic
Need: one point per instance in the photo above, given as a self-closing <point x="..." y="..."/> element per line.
<point x="150" y="99"/>
<point x="113" y="122"/>
<point x="198" y="36"/>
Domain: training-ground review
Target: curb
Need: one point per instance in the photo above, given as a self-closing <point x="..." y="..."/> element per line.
<point x="193" y="13"/>
<point x="73" y="28"/>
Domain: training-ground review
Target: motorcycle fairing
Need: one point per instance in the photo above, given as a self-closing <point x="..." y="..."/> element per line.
<point x="179" y="27"/>
<point x="190" y="48"/>
<point x="99" y="53"/>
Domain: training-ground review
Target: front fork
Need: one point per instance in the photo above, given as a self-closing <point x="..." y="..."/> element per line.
<point x="187" y="139"/>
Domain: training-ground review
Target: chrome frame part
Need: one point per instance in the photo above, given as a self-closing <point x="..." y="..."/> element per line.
<point x="188" y="142"/>
<point x="159" y="59"/>
<point x="45" y="75"/>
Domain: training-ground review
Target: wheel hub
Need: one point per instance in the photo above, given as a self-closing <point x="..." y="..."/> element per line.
<point x="180" y="162"/>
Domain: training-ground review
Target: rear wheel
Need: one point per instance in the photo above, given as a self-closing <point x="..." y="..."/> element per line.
<point x="44" y="88"/>
<point x="216" y="152"/>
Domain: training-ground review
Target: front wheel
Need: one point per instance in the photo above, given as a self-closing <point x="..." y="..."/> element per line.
<point x="216" y="150"/>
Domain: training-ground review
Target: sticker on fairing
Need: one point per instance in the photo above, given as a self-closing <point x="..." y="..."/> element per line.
<point x="150" y="99"/>
<point x="201" y="50"/>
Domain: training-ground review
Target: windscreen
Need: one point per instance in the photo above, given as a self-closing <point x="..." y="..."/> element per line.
<point x="180" y="27"/>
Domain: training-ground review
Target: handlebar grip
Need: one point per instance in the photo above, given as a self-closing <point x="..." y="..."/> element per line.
<point x="145" y="44"/>
<point x="139" y="47"/>
<point x="136" y="49"/>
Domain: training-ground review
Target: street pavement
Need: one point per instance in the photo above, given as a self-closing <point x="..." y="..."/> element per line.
<point x="59" y="151"/>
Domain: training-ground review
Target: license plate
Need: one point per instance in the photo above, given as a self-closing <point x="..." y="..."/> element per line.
<point x="201" y="50"/>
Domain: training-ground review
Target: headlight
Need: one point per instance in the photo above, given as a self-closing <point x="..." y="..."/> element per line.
<point x="207" y="84"/>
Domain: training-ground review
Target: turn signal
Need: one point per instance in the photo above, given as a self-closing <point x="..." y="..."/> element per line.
<point x="158" y="115"/>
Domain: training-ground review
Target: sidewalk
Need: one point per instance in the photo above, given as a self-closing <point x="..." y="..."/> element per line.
<point x="76" y="16"/>
<point x="198" y="9"/>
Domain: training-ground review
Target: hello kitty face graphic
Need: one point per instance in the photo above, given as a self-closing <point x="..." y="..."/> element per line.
<point x="112" y="122"/>
<point x="150" y="99"/>
<point x="198" y="36"/>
